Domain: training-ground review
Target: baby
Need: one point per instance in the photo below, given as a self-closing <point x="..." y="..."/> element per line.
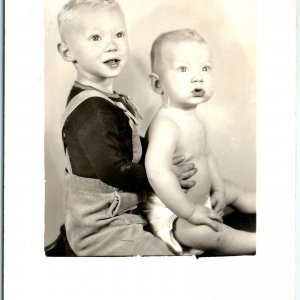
<point x="189" y="222"/>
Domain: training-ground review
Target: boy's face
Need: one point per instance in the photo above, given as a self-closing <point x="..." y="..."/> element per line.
<point x="97" y="40"/>
<point x="186" y="73"/>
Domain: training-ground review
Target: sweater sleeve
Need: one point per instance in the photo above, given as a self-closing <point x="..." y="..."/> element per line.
<point x="99" y="138"/>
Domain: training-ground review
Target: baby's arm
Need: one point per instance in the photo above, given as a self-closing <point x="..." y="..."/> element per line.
<point x="163" y="136"/>
<point x="218" y="195"/>
<point x="183" y="170"/>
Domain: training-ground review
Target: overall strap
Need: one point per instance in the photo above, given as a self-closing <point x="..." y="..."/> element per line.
<point x="78" y="99"/>
<point x="75" y="102"/>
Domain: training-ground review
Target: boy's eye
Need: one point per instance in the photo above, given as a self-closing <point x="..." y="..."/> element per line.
<point x="120" y="34"/>
<point x="95" y="37"/>
<point x="182" y="69"/>
<point x="206" y="68"/>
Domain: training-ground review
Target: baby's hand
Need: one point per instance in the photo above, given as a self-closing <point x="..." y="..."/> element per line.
<point x="205" y="216"/>
<point x="218" y="202"/>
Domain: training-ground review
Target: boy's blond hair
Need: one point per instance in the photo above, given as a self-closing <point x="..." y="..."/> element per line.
<point x="68" y="10"/>
<point x="171" y="36"/>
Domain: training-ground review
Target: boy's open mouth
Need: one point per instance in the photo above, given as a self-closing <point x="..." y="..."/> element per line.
<point x="198" y="93"/>
<point x="113" y="63"/>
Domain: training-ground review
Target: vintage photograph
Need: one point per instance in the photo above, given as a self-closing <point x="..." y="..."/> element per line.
<point x="150" y="128"/>
<point x="149" y="149"/>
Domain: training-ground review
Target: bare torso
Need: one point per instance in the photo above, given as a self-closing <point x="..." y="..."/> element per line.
<point x="192" y="143"/>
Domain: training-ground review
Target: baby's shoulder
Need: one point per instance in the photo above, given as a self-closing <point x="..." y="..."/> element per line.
<point x="163" y="123"/>
<point x="163" y="118"/>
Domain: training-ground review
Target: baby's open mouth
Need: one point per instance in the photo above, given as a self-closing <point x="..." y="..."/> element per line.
<point x="112" y="63"/>
<point x="198" y="93"/>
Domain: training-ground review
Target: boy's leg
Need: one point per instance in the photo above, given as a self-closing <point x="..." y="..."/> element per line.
<point x="240" y="198"/>
<point x="143" y="243"/>
<point x="227" y="241"/>
<point x="149" y="245"/>
<point x="122" y="235"/>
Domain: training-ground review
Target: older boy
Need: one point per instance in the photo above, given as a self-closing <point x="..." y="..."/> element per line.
<point x="182" y="74"/>
<point x="105" y="180"/>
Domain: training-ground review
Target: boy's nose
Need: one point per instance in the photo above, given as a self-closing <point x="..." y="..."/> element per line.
<point x="111" y="46"/>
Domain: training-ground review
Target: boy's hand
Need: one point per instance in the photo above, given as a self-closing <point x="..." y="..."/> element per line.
<point x="205" y="216"/>
<point x="218" y="202"/>
<point x="183" y="171"/>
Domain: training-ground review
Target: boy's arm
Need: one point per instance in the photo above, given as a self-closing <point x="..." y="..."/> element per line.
<point x="162" y="144"/>
<point x="99" y="138"/>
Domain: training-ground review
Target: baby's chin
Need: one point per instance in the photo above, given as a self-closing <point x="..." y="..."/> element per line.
<point x="198" y="100"/>
<point x="192" y="104"/>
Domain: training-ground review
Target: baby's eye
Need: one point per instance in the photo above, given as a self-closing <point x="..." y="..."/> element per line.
<point x="182" y="69"/>
<point x="120" y="34"/>
<point x="206" y="68"/>
<point x="95" y="37"/>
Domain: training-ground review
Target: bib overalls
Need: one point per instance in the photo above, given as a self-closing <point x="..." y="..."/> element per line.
<point x="102" y="220"/>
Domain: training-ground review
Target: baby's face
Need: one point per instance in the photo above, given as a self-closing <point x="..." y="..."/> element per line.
<point x="186" y="75"/>
<point x="98" y="41"/>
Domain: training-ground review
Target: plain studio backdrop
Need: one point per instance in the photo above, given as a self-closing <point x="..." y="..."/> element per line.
<point x="228" y="26"/>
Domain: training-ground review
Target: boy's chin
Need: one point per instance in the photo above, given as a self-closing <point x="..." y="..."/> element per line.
<point x="112" y="73"/>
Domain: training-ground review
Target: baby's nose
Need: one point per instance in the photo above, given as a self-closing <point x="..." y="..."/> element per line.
<point x="197" y="77"/>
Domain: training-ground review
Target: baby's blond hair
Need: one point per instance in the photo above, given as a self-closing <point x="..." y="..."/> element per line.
<point x="171" y="36"/>
<point x="68" y="10"/>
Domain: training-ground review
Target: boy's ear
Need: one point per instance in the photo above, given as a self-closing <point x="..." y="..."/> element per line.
<point x="155" y="83"/>
<point x="65" y="52"/>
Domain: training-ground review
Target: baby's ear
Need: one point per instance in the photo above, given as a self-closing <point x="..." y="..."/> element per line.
<point x="65" y="52"/>
<point x="155" y="83"/>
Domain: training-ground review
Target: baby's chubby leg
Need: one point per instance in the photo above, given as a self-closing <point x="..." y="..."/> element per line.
<point x="225" y="241"/>
<point x="240" y="198"/>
